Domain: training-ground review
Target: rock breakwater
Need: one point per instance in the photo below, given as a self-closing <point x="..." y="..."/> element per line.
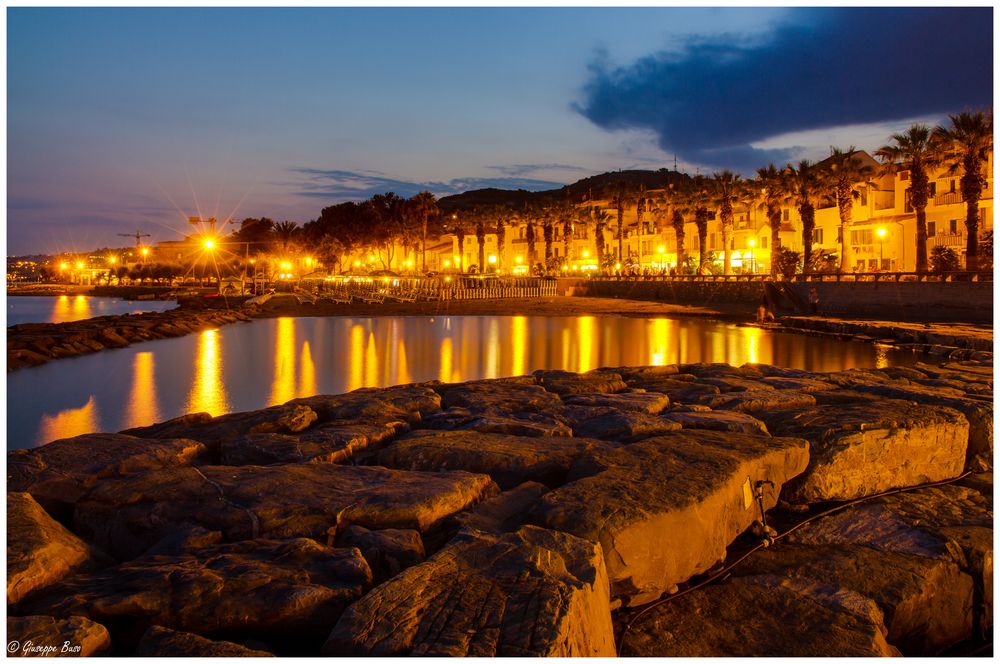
<point x="525" y="516"/>
<point x="31" y="344"/>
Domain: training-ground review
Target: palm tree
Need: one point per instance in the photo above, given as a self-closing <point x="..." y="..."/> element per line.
<point x="481" y="239"/>
<point x="601" y="218"/>
<point x="424" y="208"/>
<point x="567" y="212"/>
<point x="548" y="233"/>
<point x="501" y="217"/>
<point x="284" y="232"/>
<point x="966" y="145"/>
<point x="914" y="151"/>
<point x="772" y="183"/>
<point x="529" y="235"/>
<point x="802" y="184"/>
<point x="727" y="188"/>
<point x="844" y="172"/>
<point x="623" y="198"/>
<point x="641" y="204"/>
<point x="698" y="197"/>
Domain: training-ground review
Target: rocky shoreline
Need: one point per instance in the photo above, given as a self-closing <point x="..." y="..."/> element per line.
<point x="552" y="514"/>
<point x="32" y="344"/>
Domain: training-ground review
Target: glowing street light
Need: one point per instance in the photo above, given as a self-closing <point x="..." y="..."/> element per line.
<point x="209" y="244"/>
<point x="79" y="266"/>
<point x="63" y="266"/>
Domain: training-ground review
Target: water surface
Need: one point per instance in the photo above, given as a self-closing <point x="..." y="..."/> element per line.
<point x="249" y="366"/>
<point x="66" y="308"/>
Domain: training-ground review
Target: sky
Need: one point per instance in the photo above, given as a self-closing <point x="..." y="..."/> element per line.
<point x="122" y="120"/>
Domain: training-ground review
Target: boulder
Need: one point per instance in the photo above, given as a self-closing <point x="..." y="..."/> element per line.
<point x="45" y="636"/>
<point x="127" y="515"/>
<point x="679" y="391"/>
<point x="860" y="449"/>
<point x="762" y="616"/>
<point x="498" y="420"/>
<point x="799" y="384"/>
<point x="728" y="384"/>
<point x="666" y="508"/>
<point x="502" y="513"/>
<point x="624" y="426"/>
<point x="508" y="460"/>
<point x="718" y="420"/>
<point x="59" y="473"/>
<point x="651" y="403"/>
<point x="328" y="443"/>
<point x="927" y="602"/>
<point x="293" y="420"/>
<point x="535" y="592"/>
<point x="162" y="642"/>
<point x="40" y="552"/>
<point x="403" y="402"/>
<point x="483" y="395"/>
<point x="979" y="454"/>
<point x="758" y="401"/>
<point x="567" y="382"/>
<point x="388" y="552"/>
<point x="287" y="589"/>
<point x="630" y="374"/>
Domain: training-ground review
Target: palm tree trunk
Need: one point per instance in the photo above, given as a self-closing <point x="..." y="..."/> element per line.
<point x="775" y="241"/>
<point x="621" y="232"/>
<point x="921" y="240"/>
<point x="679" y="233"/>
<point x="808" y="214"/>
<point x="599" y="243"/>
<point x="501" y="243"/>
<point x="423" y="246"/>
<point x="972" y="234"/>
<point x="727" y="234"/>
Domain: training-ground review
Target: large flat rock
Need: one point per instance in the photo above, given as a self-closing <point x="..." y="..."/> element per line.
<point x="651" y="403"/>
<point x="762" y="616"/>
<point x="45" y="636"/>
<point x="328" y="443"/>
<point x="508" y="460"/>
<point x="59" y="473"/>
<point x="499" y="420"/>
<point x="264" y="589"/>
<point x="927" y="602"/>
<point x="860" y="449"/>
<point x="478" y="396"/>
<point x="666" y="508"/>
<point x="163" y="642"/>
<point x="567" y="382"/>
<point x="40" y="552"/>
<point x="127" y="515"/>
<point x="719" y="420"/>
<point x="758" y="402"/>
<point x="408" y="402"/>
<point x="623" y="426"/>
<point x="212" y="431"/>
<point x="535" y="592"/>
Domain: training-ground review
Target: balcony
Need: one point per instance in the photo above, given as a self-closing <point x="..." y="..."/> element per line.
<point x="946" y="240"/>
<point x="948" y="198"/>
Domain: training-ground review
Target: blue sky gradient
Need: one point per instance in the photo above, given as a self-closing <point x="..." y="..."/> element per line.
<point x="125" y="119"/>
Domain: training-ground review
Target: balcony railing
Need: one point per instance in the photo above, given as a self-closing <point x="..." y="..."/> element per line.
<point x="946" y="240"/>
<point x="948" y="198"/>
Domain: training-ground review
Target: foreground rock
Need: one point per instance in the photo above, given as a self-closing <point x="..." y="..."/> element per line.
<point x="859" y="449"/>
<point x="329" y="443"/>
<point x="666" y="508"/>
<point x="531" y="593"/>
<point x="126" y="516"/>
<point x="162" y="642"/>
<point x="57" y="475"/>
<point x="40" y="552"/>
<point x="266" y="589"/>
<point x="45" y="636"/>
<point x="508" y="460"/>
<point x="762" y="616"/>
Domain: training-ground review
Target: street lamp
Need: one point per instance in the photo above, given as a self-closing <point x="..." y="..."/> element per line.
<point x="145" y="252"/>
<point x="881" y="244"/>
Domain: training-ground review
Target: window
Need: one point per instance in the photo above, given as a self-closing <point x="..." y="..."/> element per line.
<point x="933" y="189"/>
<point x="763" y="242"/>
<point x="951" y="190"/>
<point x="907" y="207"/>
<point x="953" y="226"/>
<point x="931" y="228"/>
<point x="863" y="236"/>
<point x="784" y="214"/>
<point x="904" y="175"/>
<point x="817" y="236"/>
<point x="864" y="197"/>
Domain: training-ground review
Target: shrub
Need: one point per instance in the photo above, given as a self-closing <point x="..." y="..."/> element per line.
<point x="944" y="259"/>
<point x="786" y="260"/>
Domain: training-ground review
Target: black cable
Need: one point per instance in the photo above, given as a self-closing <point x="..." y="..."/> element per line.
<point x="765" y="544"/>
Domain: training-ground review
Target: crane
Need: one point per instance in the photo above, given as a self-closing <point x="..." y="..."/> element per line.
<point x="138" y="237"/>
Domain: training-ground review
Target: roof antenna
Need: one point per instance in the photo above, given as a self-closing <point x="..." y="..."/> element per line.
<point x="675" y="163"/>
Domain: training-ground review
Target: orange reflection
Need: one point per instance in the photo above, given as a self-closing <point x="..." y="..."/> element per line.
<point x="307" y="380"/>
<point x="444" y="374"/>
<point x="371" y="361"/>
<point x="283" y="383"/>
<point x="142" y="407"/>
<point x="70" y="308"/>
<point x="492" y="350"/>
<point x="585" y="333"/>
<point x="357" y="358"/>
<point x="404" y="370"/>
<point x="659" y="341"/>
<point x="519" y="340"/>
<point x="208" y="392"/>
<point x="70" y="422"/>
<point x="752" y="337"/>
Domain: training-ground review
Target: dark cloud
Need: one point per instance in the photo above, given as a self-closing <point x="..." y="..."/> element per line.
<point x="340" y="185"/>
<point x="822" y="67"/>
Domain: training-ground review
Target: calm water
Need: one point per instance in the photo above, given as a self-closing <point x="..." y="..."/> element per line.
<point x="249" y="366"/>
<point x="65" y="308"/>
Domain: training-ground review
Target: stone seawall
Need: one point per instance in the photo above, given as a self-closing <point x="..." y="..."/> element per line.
<point x="31" y="344"/>
<point x="523" y="516"/>
<point x="928" y="301"/>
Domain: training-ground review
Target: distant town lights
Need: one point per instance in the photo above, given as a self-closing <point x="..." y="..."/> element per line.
<point x="79" y="266"/>
<point x="145" y="251"/>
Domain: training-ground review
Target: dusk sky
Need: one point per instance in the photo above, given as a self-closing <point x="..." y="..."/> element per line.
<point x="134" y="119"/>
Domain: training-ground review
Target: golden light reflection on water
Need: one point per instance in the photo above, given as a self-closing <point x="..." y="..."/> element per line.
<point x="751" y="341"/>
<point x="283" y="381"/>
<point x="659" y="342"/>
<point x="69" y="308"/>
<point x="444" y="374"/>
<point x="208" y="391"/>
<point x="881" y="356"/>
<point x="70" y="422"/>
<point x="586" y="331"/>
<point x="142" y="407"/>
<point x="356" y="358"/>
<point x="519" y="344"/>
<point x="307" y="380"/>
<point x="371" y="361"/>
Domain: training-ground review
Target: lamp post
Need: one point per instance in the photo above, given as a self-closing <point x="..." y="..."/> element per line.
<point x="881" y="244"/>
<point x="753" y="265"/>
